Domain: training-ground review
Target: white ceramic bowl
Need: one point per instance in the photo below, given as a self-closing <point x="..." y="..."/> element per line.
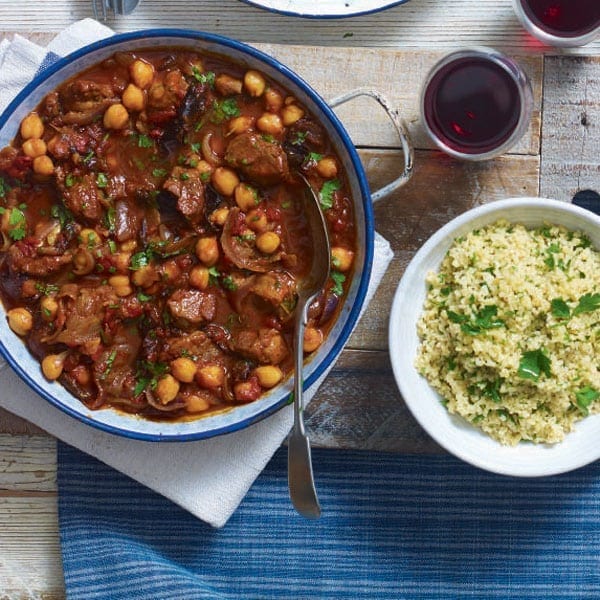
<point x="113" y="421"/>
<point x="455" y="434"/>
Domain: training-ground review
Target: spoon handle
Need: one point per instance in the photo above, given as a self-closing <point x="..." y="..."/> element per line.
<point x="301" y="481"/>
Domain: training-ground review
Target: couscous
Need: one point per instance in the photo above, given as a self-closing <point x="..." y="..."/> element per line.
<point x="510" y="332"/>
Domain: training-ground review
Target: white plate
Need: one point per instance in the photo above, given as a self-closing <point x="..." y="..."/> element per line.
<point x="324" y="8"/>
<point x="456" y="435"/>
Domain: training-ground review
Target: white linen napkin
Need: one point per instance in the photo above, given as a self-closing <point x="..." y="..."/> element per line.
<point x="209" y="478"/>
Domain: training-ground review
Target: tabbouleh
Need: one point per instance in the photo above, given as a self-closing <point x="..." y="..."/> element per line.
<point x="510" y="332"/>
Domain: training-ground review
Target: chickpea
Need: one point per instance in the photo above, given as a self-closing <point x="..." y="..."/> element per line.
<point x="273" y="100"/>
<point x="257" y="220"/>
<point x="199" y="277"/>
<point x="49" y="307"/>
<point x="327" y="167"/>
<point x="341" y="258"/>
<point x="167" y="389"/>
<point x="183" y="369"/>
<point x="219" y="216"/>
<point x="145" y="276"/>
<point x="225" y="180"/>
<point x="142" y="73"/>
<point x="128" y="246"/>
<point x="89" y="237"/>
<point x="121" y="285"/>
<point x="240" y="125"/>
<point x="268" y="375"/>
<point x="290" y="114"/>
<point x="210" y="376"/>
<point x="207" y="250"/>
<point x="268" y="242"/>
<point x="205" y="169"/>
<point x="43" y="165"/>
<point x="313" y="338"/>
<point x="246" y="197"/>
<point x="116" y="117"/>
<point x="121" y="261"/>
<point x="20" y="320"/>
<point x="32" y="127"/>
<point x="34" y="147"/>
<point x="52" y="365"/>
<point x="133" y="98"/>
<point x="270" y="123"/>
<point x="170" y="272"/>
<point x="255" y="83"/>
<point x="196" y="403"/>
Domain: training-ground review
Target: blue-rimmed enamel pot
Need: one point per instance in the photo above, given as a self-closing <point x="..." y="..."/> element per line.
<point x="17" y="355"/>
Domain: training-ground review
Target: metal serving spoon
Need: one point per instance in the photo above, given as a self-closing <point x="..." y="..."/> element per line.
<point x="300" y="473"/>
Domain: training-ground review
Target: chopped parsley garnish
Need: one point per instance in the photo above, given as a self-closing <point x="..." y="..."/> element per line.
<point x="338" y="281"/>
<point x="184" y="176"/>
<point x="143" y="297"/>
<point x="159" y="172"/>
<point x="112" y="246"/>
<point x="46" y="288"/>
<point x="479" y="322"/>
<point x="299" y="138"/>
<point x="213" y="275"/>
<point x="101" y="180"/>
<point x="208" y="77"/>
<point x="560" y="309"/>
<point x="224" y="109"/>
<point x="313" y="157"/>
<point x="587" y="303"/>
<point x="141" y="259"/>
<point x="69" y="180"/>
<point x="195" y="147"/>
<point x="533" y="363"/>
<point x="584" y="398"/>
<point x="229" y="283"/>
<point x="109" y="364"/>
<point x="268" y="138"/>
<point x="145" y="141"/>
<point x="17" y="223"/>
<point x="326" y="193"/>
<point x="88" y="157"/>
<point x="4" y="187"/>
<point x="148" y="375"/>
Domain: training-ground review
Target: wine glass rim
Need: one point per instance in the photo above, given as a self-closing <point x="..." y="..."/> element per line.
<point x="516" y="73"/>
<point x="565" y="40"/>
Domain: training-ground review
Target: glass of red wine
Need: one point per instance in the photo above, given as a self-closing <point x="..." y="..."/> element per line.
<point x="560" y="22"/>
<point x="476" y="103"/>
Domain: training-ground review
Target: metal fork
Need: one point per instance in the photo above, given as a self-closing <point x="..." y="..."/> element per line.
<point x="118" y="7"/>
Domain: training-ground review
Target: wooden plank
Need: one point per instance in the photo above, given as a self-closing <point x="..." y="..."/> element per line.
<point x="571" y="145"/>
<point x="419" y="24"/>
<point x="359" y="407"/>
<point x="30" y="559"/>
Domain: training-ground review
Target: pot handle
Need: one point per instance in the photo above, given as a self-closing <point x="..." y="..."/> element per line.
<point x="400" y="128"/>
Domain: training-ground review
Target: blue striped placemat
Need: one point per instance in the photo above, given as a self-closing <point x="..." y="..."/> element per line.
<point x="393" y="526"/>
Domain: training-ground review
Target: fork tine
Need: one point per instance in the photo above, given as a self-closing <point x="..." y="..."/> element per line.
<point x="102" y="4"/>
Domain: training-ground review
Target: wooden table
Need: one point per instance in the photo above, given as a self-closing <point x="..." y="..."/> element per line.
<point x="359" y="405"/>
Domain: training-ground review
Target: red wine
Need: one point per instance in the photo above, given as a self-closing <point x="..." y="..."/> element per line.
<point x="472" y="105"/>
<point x="563" y="18"/>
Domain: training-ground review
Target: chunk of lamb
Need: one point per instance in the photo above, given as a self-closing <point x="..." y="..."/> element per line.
<point x="265" y="346"/>
<point x="195" y="344"/>
<point x="192" y="306"/>
<point x="186" y="185"/>
<point x="260" y="160"/>
<point x="24" y="258"/>
<point x="82" y="198"/>
<point x="84" y="100"/>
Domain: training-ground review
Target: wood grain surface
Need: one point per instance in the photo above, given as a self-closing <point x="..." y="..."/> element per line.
<point x="358" y="406"/>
